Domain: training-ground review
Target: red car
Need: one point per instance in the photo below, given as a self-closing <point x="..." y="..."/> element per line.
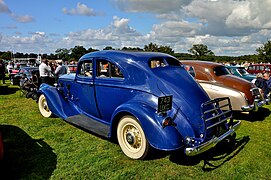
<point x="259" y="68"/>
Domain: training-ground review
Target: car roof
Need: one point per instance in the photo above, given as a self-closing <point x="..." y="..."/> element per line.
<point x="124" y="55"/>
<point x="236" y="67"/>
<point x="263" y="64"/>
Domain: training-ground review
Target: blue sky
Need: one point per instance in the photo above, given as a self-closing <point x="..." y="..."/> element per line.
<point x="227" y="27"/>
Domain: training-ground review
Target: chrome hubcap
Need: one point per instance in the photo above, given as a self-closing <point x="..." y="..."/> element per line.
<point x="133" y="137"/>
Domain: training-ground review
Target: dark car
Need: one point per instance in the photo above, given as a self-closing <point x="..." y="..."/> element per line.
<point x="241" y="72"/>
<point x="28" y="71"/>
<point x="143" y="99"/>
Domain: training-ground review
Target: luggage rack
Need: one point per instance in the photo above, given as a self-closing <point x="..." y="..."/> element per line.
<point x="215" y="116"/>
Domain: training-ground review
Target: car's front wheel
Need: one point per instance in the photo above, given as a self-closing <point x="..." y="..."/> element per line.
<point x="131" y="138"/>
<point x="43" y="107"/>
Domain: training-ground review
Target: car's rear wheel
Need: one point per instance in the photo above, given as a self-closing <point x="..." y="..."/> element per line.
<point x="43" y="107"/>
<point x="131" y="138"/>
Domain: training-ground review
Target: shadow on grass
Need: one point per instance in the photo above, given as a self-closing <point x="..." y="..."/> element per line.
<point x="260" y="115"/>
<point x="5" y="89"/>
<point x="215" y="157"/>
<point x="24" y="157"/>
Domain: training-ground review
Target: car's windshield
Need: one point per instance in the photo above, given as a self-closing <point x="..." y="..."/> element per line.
<point x="242" y="71"/>
<point x="221" y="70"/>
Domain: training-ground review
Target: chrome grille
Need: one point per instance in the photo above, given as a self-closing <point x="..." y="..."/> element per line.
<point x="255" y="91"/>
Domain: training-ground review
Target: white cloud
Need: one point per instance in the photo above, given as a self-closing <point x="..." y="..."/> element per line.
<point x="155" y="6"/>
<point x="81" y="9"/>
<point x="23" y="19"/>
<point x="251" y="14"/>
<point x="227" y="27"/>
<point x="4" y="8"/>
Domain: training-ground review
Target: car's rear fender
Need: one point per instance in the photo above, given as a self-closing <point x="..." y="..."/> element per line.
<point x="159" y="137"/>
<point x="57" y="103"/>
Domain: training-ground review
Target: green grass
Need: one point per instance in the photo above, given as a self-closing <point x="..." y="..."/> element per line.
<point x="49" y="148"/>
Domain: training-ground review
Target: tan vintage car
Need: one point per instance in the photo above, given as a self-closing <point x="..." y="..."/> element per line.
<point x="217" y="81"/>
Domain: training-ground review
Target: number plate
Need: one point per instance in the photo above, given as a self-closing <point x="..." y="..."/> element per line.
<point x="164" y="104"/>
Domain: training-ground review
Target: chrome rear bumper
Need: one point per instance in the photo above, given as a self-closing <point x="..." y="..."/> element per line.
<point x="255" y="106"/>
<point x="192" y="151"/>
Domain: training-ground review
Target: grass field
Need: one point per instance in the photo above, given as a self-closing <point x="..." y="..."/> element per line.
<point x="49" y="148"/>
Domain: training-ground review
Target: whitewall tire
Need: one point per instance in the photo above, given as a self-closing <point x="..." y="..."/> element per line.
<point x="43" y="107"/>
<point x="131" y="138"/>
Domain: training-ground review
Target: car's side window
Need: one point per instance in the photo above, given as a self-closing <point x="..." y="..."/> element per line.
<point x="86" y="69"/>
<point x="190" y="69"/>
<point x="231" y="71"/>
<point x="106" y="69"/>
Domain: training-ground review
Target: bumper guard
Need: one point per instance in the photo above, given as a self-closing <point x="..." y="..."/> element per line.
<point x="192" y="151"/>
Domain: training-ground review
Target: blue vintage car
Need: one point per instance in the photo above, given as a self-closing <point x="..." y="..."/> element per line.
<point x="144" y="99"/>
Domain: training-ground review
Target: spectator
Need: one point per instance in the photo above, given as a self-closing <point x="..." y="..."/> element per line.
<point x="60" y="70"/>
<point x="9" y="68"/>
<point x="266" y="76"/>
<point x="261" y="83"/>
<point x="2" y="71"/>
<point x="45" y="72"/>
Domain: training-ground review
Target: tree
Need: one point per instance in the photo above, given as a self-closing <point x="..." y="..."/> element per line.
<point x="77" y="52"/>
<point x="200" y="50"/>
<point x="91" y="50"/>
<point x="151" y="47"/>
<point x="131" y="49"/>
<point x="63" y="53"/>
<point x="108" y="48"/>
<point x="166" y="49"/>
<point x="6" y="55"/>
<point x="264" y="52"/>
<point x="156" y="48"/>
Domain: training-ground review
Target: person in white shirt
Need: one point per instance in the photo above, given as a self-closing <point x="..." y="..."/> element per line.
<point x="45" y="72"/>
<point x="9" y="68"/>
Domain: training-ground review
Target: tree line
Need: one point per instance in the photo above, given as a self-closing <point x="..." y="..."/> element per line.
<point x="197" y="51"/>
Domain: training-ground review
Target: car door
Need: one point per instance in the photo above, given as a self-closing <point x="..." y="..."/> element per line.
<point x="109" y="89"/>
<point x="84" y="94"/>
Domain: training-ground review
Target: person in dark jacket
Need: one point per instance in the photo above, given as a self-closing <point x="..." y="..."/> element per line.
<point x="2" y="71"/>
<point x="267" y="77"/>
<point x="262" y="84"/>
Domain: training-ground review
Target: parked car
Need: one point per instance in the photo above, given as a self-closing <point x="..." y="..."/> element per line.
<point x="143" y="99"/>
<point x="15" y="80"/>
<point x="258" y="68"/>
<point x="71" y="68"/>
<point x="217" y="81"/>
<point x="241" y="72"/>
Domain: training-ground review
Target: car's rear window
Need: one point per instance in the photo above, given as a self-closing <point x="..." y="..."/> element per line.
<point x="163" y="62"/>
<point x="221" y="70"/>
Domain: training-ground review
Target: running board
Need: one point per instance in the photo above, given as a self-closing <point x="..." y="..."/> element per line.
<point x="89" y="124"/>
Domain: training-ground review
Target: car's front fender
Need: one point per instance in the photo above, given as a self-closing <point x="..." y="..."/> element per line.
<point x="167" y="138"/>
<point x="56" y="102"/>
